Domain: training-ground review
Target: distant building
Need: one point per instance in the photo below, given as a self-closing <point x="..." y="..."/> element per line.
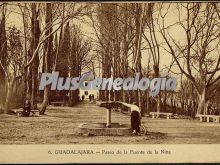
<point x="86" y="93"/>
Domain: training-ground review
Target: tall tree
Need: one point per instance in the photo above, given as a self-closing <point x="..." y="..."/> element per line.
<point x="35" y="36"/>
<point x="152" y="41"/>
<point x="48" y="45"/>
<point x="37" y="39"/>
<point x="3" y="52"/>
<point x="14" y="63"/>
<point x="79" y="59"/>
<point x="200" y="50"/>
<point x="62" y="65"/>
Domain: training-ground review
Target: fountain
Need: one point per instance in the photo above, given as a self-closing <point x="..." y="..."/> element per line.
<point x="104" y="129"/>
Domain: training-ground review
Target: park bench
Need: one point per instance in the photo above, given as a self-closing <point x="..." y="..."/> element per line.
<point x="20" y="110"/>
<point x="208" y="118"/>
<point x="158" y="114"/>
<point x="57" y="103"/>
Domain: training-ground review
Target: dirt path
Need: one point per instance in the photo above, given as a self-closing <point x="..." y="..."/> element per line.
<point x="59" y="126"/>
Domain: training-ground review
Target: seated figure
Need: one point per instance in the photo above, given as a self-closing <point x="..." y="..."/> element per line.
<point x="26" y="108"/>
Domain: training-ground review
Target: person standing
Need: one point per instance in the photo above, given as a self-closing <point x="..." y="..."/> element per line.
<point x="135" y="118"/>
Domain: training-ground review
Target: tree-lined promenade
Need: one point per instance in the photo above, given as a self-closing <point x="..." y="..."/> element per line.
<point x="60" y="126"/>
<point x="112" y="40"/>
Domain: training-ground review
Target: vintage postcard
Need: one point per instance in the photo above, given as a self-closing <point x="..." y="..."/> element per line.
<point x="109" y="82"/>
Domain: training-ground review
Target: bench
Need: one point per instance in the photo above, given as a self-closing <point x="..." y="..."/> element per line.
<point x="208" y="117"/>
<point x="19" y="111"/>
<point x="57" y="103"/>
<point x="158" y="114"/>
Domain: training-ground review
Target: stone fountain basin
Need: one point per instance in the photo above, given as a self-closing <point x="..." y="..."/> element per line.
<point x="100" y="129"/>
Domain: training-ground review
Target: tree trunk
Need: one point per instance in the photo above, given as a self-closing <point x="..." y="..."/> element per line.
<point x="3" y="54"/>
<point x="201" y="103"/>
<point x="49" y="48"/>
<point x="2" y="87"/>
<point x="45" y="101"/>
<point x="35" y="35"/>
<point x="157" y="74"/>
<point x="25" y="25"/>
<point x="9" y="95"/>
<point x="158" y="102"/>
<point x="147" y="103"/>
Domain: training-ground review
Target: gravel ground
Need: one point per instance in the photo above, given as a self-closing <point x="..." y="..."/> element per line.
<point x="59" y="126"/>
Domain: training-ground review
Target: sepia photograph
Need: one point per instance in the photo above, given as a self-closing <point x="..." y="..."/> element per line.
<point x="104" y="73"/>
